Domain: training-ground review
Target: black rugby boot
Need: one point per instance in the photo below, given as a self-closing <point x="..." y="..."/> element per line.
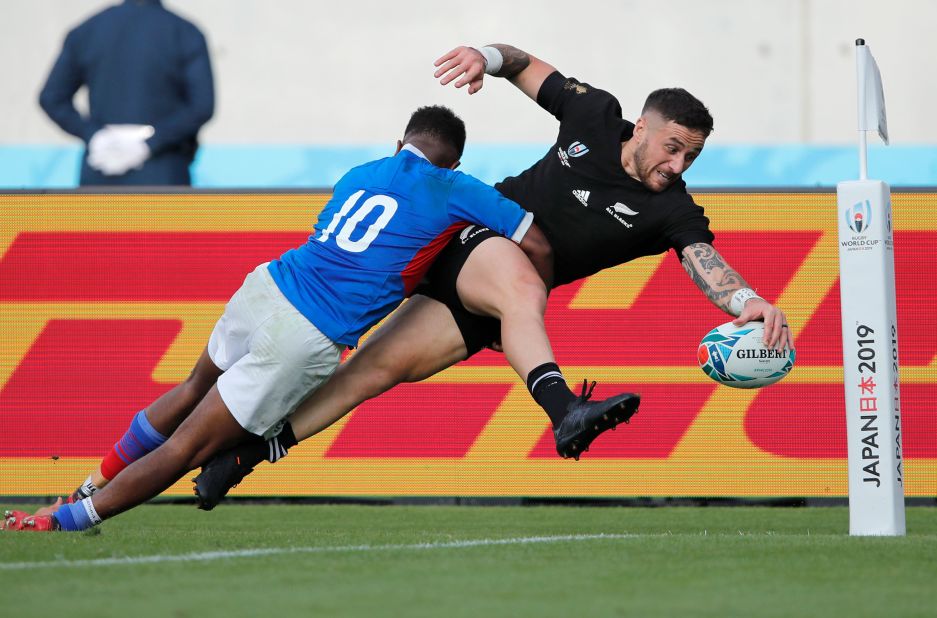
<point x="219" y="475"/>
<point x="587" y="419"/>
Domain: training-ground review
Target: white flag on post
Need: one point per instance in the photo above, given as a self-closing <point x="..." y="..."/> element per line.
<point x="871" y="94"/>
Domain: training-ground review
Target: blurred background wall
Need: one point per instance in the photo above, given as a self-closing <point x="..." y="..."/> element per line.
<point x="306" y="88"/>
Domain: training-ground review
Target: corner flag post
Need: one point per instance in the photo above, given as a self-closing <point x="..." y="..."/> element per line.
<point x="870" y="329"/>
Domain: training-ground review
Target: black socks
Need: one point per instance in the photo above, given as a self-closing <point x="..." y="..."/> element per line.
<point x="548" y="388"/>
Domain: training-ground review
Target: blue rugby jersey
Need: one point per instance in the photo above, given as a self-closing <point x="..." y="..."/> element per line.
<point x="375" y="239"/>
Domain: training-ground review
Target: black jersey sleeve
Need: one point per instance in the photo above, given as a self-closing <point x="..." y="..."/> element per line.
<point x="568" y="98"/>
<point x="690" y="227"/>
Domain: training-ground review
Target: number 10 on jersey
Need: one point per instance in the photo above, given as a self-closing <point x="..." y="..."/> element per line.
<point x="343" y="237"/>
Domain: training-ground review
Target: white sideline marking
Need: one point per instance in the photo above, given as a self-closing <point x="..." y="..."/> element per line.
<point x="208" y="556"/>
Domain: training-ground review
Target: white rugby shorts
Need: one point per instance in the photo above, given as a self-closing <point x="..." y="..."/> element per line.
<point x="271" y="355"/>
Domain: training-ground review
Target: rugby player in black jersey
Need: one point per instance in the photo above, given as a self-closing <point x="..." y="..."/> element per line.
<point x="607" y="192"/>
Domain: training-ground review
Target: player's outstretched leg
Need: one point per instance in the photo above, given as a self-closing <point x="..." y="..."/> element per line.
<point x="499" y="281"/>
<point x="587" y="419"/>
<point x="210" y="429"/>
<point x="148" y="429"/>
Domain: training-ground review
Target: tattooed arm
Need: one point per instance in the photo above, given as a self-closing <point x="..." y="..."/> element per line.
<point x="719" y="282"/>
<point x="711" y="274"/>
<point x="467" y="65"/>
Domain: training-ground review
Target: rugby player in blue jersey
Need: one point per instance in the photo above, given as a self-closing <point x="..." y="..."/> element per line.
<point x="283" y="332"/>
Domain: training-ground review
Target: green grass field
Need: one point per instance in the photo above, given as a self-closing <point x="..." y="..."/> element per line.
<point x="303" y="560"/>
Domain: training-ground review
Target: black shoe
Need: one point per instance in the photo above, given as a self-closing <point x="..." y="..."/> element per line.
<point x="587" y="419"/>
<point x="218" y="476"/>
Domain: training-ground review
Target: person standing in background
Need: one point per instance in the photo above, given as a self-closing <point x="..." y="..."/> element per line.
<point x="150" y="90"/>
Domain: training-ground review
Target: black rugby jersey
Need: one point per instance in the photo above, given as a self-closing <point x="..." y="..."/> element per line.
<point x="594" y="214"/>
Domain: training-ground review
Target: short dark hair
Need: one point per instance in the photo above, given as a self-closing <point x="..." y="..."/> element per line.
<point x="440" y="123"/>
<point x="680" y="106"/>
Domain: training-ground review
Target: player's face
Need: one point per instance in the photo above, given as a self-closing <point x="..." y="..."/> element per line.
<point x="665" y="151"/>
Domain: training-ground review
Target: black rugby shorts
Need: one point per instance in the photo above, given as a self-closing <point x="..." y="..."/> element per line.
<point x="478" y="332"/>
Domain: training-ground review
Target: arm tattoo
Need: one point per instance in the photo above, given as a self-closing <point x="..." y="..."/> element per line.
<point x="515" y="61"/>
<point x="711" y="274"/>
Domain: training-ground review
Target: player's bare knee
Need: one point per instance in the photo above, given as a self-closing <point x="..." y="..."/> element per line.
<point x="386" y="375"/>
<point x="202" y="377"/>
<point x="177" y="452"/>
<point x="528" y="294"/>
<point x="388" y="370"/>
<point x="201" y="455"/>
<point x="193" y="388"/>
<point x="193" y="450"/>
<point x="531" y="288"/>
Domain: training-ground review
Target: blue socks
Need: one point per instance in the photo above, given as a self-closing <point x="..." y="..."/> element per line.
<point x="139" y="440"/>
<point x="77" y="516"/>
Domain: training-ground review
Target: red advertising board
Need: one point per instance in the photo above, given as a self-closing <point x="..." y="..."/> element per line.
<point x="107" y="300"/>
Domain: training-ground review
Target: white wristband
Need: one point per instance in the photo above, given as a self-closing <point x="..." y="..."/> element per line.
<point x="739" y="299"/>
<point x="493" y="59"/>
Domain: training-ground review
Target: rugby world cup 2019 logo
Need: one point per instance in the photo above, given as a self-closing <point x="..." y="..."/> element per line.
<point x="714" y="353"/>
<point x="859" y="217"/>
<point x="577" y="149"/>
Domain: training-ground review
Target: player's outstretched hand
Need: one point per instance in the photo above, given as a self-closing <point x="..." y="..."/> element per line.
<point x="464" y="64"/>
<point x="777" y="332"/>
<point x="48" y="510"/>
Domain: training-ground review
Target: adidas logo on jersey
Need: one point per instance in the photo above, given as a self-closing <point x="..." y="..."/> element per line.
<point x="582" y="195"/>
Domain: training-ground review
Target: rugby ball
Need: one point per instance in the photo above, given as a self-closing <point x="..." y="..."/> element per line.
<point x="735" y="356"/>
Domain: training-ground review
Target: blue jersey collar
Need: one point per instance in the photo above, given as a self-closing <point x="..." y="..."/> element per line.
<point x="414" y="150"/>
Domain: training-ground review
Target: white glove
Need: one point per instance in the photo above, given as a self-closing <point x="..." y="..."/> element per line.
<point x="119" y="148"/>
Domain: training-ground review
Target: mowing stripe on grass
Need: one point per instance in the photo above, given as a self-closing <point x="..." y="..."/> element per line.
<point x="276" y="551"/>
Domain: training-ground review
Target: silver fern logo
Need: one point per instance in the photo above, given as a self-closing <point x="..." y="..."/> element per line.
<point x="618" y="209"/>
<point x="622" y="209"/>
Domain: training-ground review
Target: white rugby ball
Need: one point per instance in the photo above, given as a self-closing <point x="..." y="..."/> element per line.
<point x="735" y="356"/>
